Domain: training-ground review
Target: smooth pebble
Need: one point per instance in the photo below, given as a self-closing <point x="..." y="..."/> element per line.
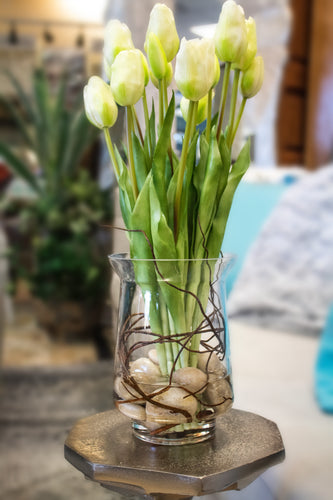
<point x="219" y="392"/>
<point x="152" y="355"/>
<point x="145" y="371"/>
<point x="193" y="379"/>
<point x="176" y="398"/>
<point x="133" y="411"/>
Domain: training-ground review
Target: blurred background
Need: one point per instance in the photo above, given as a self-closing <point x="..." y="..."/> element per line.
<point x="57" y="296"/>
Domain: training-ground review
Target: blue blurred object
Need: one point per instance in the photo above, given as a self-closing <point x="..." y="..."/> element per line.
<point x="324" y="367"/>
<point x="252" y="204"/>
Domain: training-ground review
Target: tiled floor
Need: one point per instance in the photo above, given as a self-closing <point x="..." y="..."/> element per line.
<point x="27" y="344"/>
<point x="45" y="387"/>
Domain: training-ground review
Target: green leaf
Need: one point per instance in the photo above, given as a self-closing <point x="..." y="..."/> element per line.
<point x="124" y="179"/>
<point x="168" y="268"/>
<point x="141" y="238"/>
<point x="207" y="186"/>
<point x="126" y="196"/>
<point x="214" y="120"/>
<point x="19" y="168"/>
<point x="171" y="193"/>
<point x="125" y="207"/>
<point x="164" y="138"/>
<point x="19" y="120"/>
<point x="184" y="237"/>
<point x="146" y="151"/>
<point x="60" y="102"/>
<point x="219" y="224"/>
<point x="198" y="180"/>
<point x="162" y="235"/>
<point x="152" y="126"/>
<point x="141" y="169"/>
<point x="82" y="135"/>
<point x="60" y="135"/>
<point x="168" y="171"/>
<point x="175" y="161"/>
<point x="24" y="98"/>
<point x="200" y="169"/>
<point x="208" y="199"/>
<point x="225" y="153"/>
<point x="43" y="116"/>
<point x="61" y="142"/>
<point x="151" y="134"/>
<point x="160" y="157"/>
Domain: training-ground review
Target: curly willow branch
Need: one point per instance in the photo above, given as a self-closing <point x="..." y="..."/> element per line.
<point x="131" y="328"/>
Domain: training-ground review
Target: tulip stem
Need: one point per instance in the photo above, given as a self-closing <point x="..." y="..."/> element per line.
<point x="233" y="106"/>
<point x="111" y="150"/>
<point x="238" y="119"/>
<point x="182" y="165"/>
<point x="130" y="151"/>
<point x="224" y="93"/>
<point x="209" y="114"/>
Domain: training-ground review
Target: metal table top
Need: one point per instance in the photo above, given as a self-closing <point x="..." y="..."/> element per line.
<point x="105" y="450"/>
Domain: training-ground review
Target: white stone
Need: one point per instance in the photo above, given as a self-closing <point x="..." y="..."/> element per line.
<point x="145" y="371"/>
<point x="176" y="398"/>
<point x="133" y="411"/>
<point x="120" y="388"/>
<point x="219" y="392"/>
<point x="210" y="363"/>
<point x="193" y="379"/>
<point x="152" y="355"/>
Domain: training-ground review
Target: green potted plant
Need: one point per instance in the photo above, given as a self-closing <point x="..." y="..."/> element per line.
<point x="62" y="217"/>
<point x="172" y="363"/>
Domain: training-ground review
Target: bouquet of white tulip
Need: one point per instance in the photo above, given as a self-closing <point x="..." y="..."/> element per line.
<point x="176" y="209"/>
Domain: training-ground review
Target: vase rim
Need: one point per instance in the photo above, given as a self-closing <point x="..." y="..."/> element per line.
<point x="225" y="258"/>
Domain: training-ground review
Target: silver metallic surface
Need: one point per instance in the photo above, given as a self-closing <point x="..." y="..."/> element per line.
<point x="104" y="449"/>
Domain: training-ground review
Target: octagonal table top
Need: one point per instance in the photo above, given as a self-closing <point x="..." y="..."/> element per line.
<point x="105" y="450"/>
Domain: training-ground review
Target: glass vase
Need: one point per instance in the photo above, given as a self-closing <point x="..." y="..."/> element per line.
<point x="172" y="358"/>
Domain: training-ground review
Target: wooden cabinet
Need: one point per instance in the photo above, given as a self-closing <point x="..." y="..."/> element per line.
<point x="305" y="112"/>
<point x="291" y="118"/>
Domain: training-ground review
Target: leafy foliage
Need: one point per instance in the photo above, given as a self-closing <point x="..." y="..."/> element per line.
<point x="62" y="222"/>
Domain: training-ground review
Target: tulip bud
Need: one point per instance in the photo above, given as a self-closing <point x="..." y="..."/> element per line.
<point x="100" y="107"/>
<point x="252" y="78"/>
<point x="116" y="39"/>
<point x="201" y="111"/>
<point x="162" y="24"/>
<point x="128" y="77"/>
<point x="168" y="76"/>
<point x="251" y="49"/>
<point x="195" y="68"/>
<point x="230" y="35"/>
<point x="156" y="56"/>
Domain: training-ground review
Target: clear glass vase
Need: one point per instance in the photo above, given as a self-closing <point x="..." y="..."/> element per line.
<point x="172" y="359"/>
